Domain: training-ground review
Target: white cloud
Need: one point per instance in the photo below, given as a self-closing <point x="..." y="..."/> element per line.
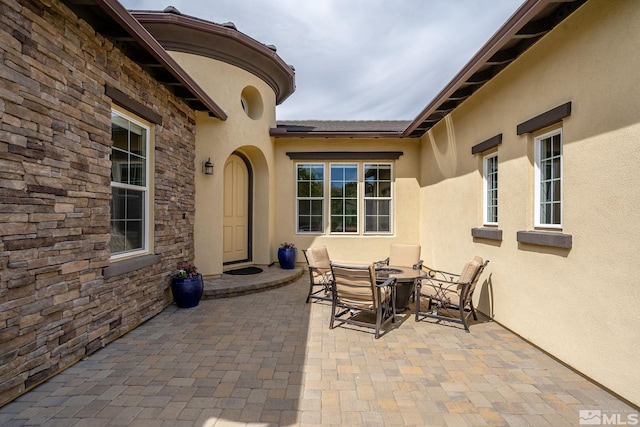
<point x="359" y="59"/>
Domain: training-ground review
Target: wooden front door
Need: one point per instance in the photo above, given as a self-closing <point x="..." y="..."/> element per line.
<point x="236" y="211"/>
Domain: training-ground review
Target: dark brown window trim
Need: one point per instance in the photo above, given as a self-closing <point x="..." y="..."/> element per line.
<point x="546" y="238"/>
<point x="344" y="155"/>
<point x="121" y="99"/>
<point x="486" y="233"/>
<point x="548" y="118"/>
<point x="490" y="143"/>
<point x="130" y="265"/>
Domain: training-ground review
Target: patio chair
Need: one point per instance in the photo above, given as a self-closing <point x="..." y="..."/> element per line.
<point x="356" y="294"/>
<point x="449" y="296"/>
<point x="320" y="276"/>
<point x="407" y="256"/>
<point x="403" y="255"/>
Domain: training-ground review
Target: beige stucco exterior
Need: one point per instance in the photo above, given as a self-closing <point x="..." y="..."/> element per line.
<point x="217" y="140"/>
<point x="357" y="247"/>
<point x="576" y="304"/>
<point x="573" y="303"/>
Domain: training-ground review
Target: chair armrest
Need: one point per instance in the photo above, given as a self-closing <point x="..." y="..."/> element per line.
<point x="432" y="272"/>
<point x="391" y="281"/>
<point x="382" y="262"/>
<point x="444" y="282"/>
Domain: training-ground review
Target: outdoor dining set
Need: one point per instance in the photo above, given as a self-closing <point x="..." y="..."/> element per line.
<point x="359" y="292"/>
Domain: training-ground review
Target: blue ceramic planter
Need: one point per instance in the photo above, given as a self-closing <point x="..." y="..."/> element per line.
<point x="287" y="257"/>
<point x="188" y="291"/>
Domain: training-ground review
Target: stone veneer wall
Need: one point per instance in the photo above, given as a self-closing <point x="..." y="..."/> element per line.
<point x="56" y="305"/>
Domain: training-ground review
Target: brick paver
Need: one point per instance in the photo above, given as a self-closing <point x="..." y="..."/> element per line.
<point x="268" y="359"/>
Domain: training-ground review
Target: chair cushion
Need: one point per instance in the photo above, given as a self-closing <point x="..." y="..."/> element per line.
<point x="450" y="294"/>
<point x="354" y="285"/>
<point x="470" y="269"/>
<point x="403" y="255"/>
<point x="319" y="257"/>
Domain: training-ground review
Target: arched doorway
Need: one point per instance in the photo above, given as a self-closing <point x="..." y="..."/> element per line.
<point x="237" y="211"/>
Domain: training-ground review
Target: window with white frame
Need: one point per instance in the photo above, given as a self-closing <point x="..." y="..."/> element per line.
<point x="377" y="198"/>
<point x="129" y="185"/>
<point x="490" y="189"/>
<point x="548" y="180"/>
<point x="358" y="199"/>
<point x="344" y="198"/>
<point x="310" y="198"/>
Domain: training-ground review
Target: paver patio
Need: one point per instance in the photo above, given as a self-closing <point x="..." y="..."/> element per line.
<point x="268" y="359"/>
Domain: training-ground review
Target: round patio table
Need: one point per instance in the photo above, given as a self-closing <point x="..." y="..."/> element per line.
<point x="405" y="279"/>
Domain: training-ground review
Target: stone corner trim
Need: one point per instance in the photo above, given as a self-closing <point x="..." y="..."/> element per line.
<point x="546" y="238"/>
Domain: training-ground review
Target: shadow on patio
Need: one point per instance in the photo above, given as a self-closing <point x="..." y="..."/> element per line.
<point x="270" y="359"/>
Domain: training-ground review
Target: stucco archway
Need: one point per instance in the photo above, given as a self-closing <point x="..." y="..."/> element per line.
<point x="237" y="217"/>
<point x="210" y="201"/>
<point x="258" y="204"/>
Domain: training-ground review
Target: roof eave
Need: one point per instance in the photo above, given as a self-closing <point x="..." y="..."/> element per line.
<point x="278" y="133"/>
<point x="507" y="32"/>
<point x="245" y="52"/>
<point x="145" y="40"/>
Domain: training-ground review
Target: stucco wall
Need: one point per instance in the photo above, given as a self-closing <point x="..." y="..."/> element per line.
<point x="363" y="247"/>
<point x="218" y="140"/>
<point x="56" y="303"/>
<point x="576" y="304"/>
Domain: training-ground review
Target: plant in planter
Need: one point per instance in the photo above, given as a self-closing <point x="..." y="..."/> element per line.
<point x="187" y="286"/>
<point x="287" y="254"/>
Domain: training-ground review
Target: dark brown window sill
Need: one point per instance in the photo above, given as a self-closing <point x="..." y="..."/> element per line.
<point x="487" y="233"/>
<point x="546" y="238"/>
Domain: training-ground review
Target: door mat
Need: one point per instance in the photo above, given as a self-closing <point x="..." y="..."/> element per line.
<point x="244" y="271"/>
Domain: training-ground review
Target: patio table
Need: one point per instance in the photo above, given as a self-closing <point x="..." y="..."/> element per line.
<point x="405" y="280"/>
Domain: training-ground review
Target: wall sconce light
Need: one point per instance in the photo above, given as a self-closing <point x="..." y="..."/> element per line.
<point x="207" y="167"/>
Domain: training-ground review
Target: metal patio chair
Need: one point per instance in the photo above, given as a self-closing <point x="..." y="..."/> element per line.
<point x="449" y="296"/>
<point x="403" y="255"/>
<point x="406" y="256"/>
<point x="320" y="276"/>
<point x="356" y="293"/>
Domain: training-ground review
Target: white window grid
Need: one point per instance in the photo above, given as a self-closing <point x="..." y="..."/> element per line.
<point x="490" y="189"/>
<point x="378" y="199"/>
<point x="344" y="199"/>
<point x="311" y="199"/>
<point x="548" y="180"/>
<point x="144" y="189"/>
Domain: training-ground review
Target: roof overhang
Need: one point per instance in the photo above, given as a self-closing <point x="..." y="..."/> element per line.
<point x="339" y="129"/>
<point x="527" y="25"/>
<point x="223" y="42"/>
<point x="113" y="21"/>
<point x="279" y="133"/>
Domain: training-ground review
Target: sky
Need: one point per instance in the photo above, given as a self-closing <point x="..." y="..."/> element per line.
<point x="359" y="59"/>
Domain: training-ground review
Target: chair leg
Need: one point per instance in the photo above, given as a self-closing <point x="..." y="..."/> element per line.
<point x="463" y="314"/>
<point x="473" y="310"/>
<point x="393" y="305"/>
<point x="416" y="295"/>
<point x="310" y="291"/>
<point x="333" y="313"/>
<point x="463" y="318"/>
<point x="310" y="286"/>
